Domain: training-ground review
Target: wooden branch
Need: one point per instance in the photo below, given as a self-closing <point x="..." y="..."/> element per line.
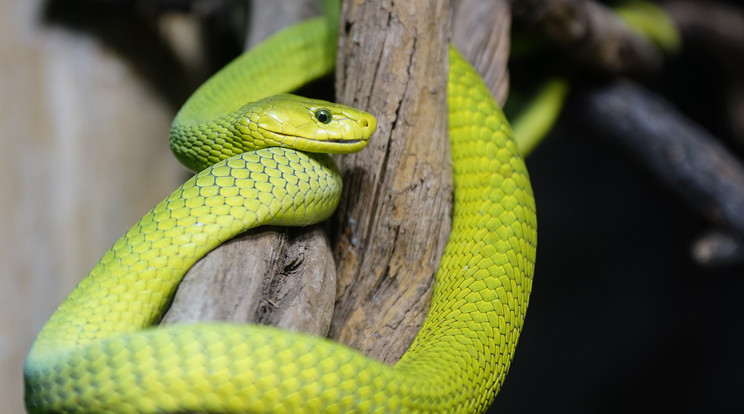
<point x="285" y="277"/>
<point x="270" y="275"/>
<point x="591" y="33"/>
<point x="481" y="32"/>
<point x="266" y="17"/>
<point x="394" y="218"/>
<point x="677" y="151"/>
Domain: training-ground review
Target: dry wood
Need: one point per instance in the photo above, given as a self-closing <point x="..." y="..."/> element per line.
<point x="481" y="32"/>
<point x="394" y="219"/>
<point x="266" y="17"/>
<point x="591" y="33"/>
<point x="270" y="275"/>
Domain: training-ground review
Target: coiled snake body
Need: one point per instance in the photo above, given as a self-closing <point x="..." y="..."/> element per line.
<point x="96" y="353"/>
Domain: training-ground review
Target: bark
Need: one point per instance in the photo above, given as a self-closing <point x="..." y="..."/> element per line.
<point x="394" y="218"/>
<point x="271" y="275"/>
<point x="481" y="32"/>
<point x="266" y="17"/>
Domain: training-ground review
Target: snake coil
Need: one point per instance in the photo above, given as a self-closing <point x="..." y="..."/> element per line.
<point x="98" y="354"/>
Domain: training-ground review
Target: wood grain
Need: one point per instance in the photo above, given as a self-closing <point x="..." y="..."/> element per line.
<point x="481" y="32"/>
<point x="394" y="218"/>
<point x="270" y="275"/>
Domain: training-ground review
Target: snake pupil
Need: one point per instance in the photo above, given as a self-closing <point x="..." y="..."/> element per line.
<point x="323" y="115"/>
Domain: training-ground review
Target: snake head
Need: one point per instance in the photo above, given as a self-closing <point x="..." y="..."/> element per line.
<point x="306" y="124"/>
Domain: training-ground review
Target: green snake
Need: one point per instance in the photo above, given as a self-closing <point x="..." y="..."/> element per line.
<point x="99" y="353"/>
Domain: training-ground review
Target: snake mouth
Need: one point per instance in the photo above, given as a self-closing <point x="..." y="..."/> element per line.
<point x="344" y="141"/>
<point x="332" y="146"/>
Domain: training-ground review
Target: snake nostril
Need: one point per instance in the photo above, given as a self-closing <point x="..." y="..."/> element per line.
<point x="364" y="122"/>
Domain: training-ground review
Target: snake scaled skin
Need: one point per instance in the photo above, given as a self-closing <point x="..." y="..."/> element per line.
<point x="97" y="354"/>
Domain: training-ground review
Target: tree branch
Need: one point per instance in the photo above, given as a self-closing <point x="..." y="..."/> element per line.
<point x="677" y="151"/>
<point x="481" y="32"/>
<point x="591" y="33"/>
<point x="394" y="218"/>
<point x="273" y="276"/>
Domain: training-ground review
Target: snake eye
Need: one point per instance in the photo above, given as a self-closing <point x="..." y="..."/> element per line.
<point x="323" y="115"/>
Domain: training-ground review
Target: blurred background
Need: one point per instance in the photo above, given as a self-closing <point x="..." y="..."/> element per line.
<point x="622" y="318"/>
<point x="87" y="94"/>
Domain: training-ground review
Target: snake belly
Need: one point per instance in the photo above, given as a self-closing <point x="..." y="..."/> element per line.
<point x="97" y="354"/>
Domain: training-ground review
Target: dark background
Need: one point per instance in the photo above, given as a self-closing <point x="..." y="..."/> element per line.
<point x="620" y="318"/>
